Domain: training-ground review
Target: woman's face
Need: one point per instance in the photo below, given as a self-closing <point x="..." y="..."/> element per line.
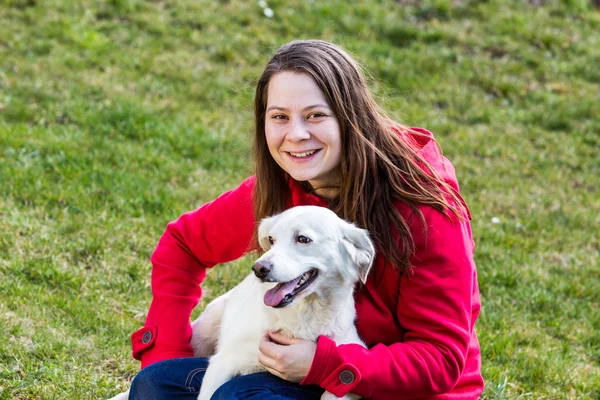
<point x="303" y="134"/>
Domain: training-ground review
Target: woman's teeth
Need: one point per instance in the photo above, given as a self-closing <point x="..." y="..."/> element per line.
<point x="305" y="154"/>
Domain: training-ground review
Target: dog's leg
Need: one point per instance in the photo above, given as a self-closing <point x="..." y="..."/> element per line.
<point x="331" y="396"/>
<point x="219" y="371"/>
<point x="122" y="396"/>
<point x="207" y="327"/>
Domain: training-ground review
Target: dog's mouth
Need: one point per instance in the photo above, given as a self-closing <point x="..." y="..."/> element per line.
<point x="283" y="293"/>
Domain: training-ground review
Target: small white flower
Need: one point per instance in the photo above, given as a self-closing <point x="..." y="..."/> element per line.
<point x="519" y="226"/>
<point x="269" y="13"/>
<point x="495" y="220"/>
<point x="262" y="4"/>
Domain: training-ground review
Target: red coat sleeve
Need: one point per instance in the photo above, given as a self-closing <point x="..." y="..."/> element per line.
<point x="217" y="232"/>
<point x="437" y="308"/>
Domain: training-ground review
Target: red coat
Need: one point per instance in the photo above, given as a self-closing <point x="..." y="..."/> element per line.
<point x="419" y="330"/>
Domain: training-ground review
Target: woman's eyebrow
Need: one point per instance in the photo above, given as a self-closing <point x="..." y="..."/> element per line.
<point x="304" y="109"/>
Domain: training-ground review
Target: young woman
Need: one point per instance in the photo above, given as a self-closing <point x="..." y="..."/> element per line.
<point x="322" y="140"/>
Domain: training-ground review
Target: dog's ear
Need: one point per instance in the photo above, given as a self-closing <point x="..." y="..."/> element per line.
<point x="360" y="247"/>
<point x="263" y="232"/>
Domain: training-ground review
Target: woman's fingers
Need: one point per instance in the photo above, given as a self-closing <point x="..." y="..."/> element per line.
<point x="280" y="338"/>
<point x="289" y="359"/>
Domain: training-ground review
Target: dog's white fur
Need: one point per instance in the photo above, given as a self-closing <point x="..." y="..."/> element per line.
<point x="232" y="325"/>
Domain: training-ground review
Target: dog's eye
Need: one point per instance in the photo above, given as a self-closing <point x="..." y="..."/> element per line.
<point x="271" y="241"/>
<point x="303" y="239"/>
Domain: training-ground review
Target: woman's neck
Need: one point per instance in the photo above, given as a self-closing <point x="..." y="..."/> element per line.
<point x="325" y="192"/>
<point x="328" y="193"/>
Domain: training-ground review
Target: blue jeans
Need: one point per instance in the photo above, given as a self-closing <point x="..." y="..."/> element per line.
<point x="181" y="378"/>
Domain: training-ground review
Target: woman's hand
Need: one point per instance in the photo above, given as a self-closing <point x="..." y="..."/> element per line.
<point x="285" y="357"/>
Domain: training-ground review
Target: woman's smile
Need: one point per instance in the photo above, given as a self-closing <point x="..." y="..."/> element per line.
<point x="303" y="156"/>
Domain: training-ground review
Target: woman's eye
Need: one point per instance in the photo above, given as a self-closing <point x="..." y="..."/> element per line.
<point x="303" y="239"/>
<point x="271" y="241"/>
<point x="279" y="117"/>
<point x="315" y="115"/>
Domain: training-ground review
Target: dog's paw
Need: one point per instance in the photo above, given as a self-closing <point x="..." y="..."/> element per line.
<point x="208" y="388"/>
<point x="331" y="396"/>
<point x="204" y="396"/>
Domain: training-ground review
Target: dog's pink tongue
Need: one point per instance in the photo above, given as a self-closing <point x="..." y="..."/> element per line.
<point x="275" y="295"/>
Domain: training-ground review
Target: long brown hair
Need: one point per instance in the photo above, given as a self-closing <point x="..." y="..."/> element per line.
<point x="378" y="166"/>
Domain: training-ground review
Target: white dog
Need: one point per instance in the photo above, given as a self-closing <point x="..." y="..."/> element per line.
<point x="302" y="286"/>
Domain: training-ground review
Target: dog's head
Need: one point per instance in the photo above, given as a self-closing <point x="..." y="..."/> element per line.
<point x="310" y="250"/>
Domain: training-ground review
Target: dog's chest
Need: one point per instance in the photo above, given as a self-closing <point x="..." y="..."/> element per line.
<point x="297" y="331"/>
<point x="306" y="324"/>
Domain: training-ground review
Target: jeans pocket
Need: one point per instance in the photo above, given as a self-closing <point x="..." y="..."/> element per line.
<point x="194" y="379"/>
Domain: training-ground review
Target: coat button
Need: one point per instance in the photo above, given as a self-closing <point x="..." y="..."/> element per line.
<point x="346" y="377"/>
<point x="147" y="337"/>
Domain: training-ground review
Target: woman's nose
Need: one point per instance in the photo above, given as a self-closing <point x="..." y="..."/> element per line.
<point x="298" y="131"/>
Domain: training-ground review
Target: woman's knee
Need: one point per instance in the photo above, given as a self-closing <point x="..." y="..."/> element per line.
<point x="246" y="386"/>
<point x="263" y="386"/>
<point x="147" y="383"/>
<point x="161" y="379"/>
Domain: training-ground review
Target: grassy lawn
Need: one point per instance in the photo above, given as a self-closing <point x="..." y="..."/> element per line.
<point x="116" y="116"/>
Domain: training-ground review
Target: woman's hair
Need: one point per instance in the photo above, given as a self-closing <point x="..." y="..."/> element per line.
<point x="378" y="166"/>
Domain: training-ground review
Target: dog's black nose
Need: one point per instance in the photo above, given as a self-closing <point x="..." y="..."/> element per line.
<point x="262" y="269"/>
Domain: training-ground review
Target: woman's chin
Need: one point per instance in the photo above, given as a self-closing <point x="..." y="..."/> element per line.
<point x="301" y="179"/>
<point x="301" y="176"/>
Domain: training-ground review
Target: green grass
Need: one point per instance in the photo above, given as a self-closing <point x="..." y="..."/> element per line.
<point x="117" y="116"/>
